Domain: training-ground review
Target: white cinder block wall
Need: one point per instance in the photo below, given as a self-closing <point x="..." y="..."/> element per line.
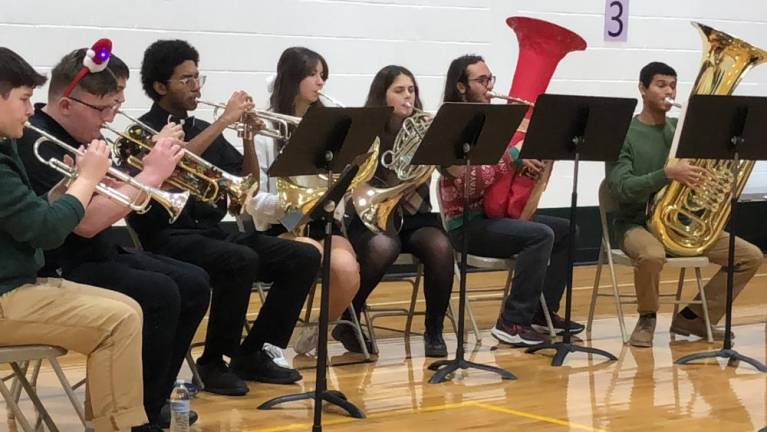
<point x="240" y="41"/>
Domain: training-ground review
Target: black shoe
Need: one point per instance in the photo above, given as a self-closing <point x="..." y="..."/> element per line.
<point x="348" y="338"/>
<point x="267" y="365"/>
<point x="165" y="416"/>
<point x="218" y="378"/>
<point x="540" y="325"/>
<point x="148" y="427"/>
<point x="434" y="345"/>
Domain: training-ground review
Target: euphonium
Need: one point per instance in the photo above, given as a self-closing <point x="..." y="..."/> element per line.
<point x="687" y="221"/>
<point x="375" y="205"/>
<point x="172" y="202"/>
<point x="541" y="46"/>
<point x="205" y="181"/>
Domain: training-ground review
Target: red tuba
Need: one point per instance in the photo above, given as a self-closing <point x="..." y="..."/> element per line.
<point x="541" y="46"/>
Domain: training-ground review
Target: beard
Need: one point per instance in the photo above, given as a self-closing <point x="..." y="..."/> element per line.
<point x="473" y="96"/>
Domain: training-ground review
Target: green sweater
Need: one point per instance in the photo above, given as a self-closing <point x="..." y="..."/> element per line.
<point x="638" y="173"/>
<point x="28" y="223"/>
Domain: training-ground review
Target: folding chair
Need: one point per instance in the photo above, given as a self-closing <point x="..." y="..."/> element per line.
<point x="372" y="312"/>
<point x="607" y="204"/>
<point x="19" y="357"/>
<point x="487" y="263"/>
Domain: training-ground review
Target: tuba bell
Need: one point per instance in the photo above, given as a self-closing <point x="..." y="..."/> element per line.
<point x="687" y="221"/>
<point x="541" y="46"/>
<point x="374" y="205"/>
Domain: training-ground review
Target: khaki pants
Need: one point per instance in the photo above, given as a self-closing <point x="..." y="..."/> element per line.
<point x="104" y="325"/>
<point x="649" y="255"/>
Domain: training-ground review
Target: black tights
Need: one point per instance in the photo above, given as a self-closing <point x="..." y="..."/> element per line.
<point x="421" y="235"/>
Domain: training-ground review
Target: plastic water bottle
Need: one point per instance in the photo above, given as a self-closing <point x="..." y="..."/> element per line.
<point x="179" y="408"/>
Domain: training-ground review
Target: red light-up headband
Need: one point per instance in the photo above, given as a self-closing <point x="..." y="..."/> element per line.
<point x="95" y="60"/>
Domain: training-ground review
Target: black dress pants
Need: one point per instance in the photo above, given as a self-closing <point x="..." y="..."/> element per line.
<point x="234" y="262"/>
<point x="174" y="297"/>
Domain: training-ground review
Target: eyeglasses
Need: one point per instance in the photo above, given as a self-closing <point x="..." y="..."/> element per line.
<point x="104" y="111"/>
<point x="485" y="80"/>
<point x="191" y="82"/>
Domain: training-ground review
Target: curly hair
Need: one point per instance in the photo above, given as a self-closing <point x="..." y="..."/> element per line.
<point x="160" y="59"/>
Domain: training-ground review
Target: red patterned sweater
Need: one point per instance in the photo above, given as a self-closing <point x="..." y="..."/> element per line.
<point x="480" y="178"/>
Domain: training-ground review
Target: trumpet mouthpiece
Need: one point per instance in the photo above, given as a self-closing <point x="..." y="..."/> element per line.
<point x="673" y="103"/>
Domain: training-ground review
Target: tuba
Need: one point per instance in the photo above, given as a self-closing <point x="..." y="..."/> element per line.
<point x="375" y="205"/>
<point x="686" y="220"/>
<point x="203" y="180"/>
<point x="541" y="46"/>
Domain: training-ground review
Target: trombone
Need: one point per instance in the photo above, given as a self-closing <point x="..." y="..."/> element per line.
<point x="284" y="124"/>
<point x="172" y="202"/>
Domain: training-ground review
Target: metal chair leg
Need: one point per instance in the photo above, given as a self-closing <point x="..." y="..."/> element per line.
<point x="704" y="305"/>
<point x="68" y="389"/>
<point x="595" y="291"/>
<point x="547" y="315"/>
<point x="679" y="287"/>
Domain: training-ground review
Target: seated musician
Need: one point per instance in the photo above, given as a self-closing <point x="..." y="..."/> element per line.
<point x="104" y="325"/>
<point x="421" y="232"/>
<point x="638" y="174"/>
<point x="170" y="77"/>
<point x="173" y="295"/>
<point x="540" y="245"/>
<point x="301" y="74"/>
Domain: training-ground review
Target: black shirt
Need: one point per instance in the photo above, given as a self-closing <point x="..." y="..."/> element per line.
<point x="153" y="227"/>
<point x="75" y="249"/>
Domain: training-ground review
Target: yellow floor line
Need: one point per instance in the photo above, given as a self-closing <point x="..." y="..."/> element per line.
<point x="538" y="417"/>
<point x="383" y="414"/>
<point x="446" y="407"/>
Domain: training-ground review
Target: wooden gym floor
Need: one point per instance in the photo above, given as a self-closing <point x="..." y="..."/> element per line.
<point x="642" y="390"/>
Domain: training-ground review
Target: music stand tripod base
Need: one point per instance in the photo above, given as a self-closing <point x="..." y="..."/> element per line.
<point x="446" y="367"/>
<point x="333" y="396"/>
<point x="732" y="356"/>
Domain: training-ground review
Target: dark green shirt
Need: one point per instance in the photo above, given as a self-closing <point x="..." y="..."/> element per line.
<point x="638" y="173"/>
<point x="28" y="223"/>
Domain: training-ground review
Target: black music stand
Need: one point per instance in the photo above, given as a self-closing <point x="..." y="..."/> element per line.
<point x="467" y="134"/>
<point x="576" y="128"/>
<point x="731" y="128"/>
<point x="326" y="141"/>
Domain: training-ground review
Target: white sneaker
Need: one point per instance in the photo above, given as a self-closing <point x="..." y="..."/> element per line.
<point x="276" y="355"/>
<point x="307" y="340"/>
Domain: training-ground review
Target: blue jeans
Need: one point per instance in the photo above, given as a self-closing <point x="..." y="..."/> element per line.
<point x="540" y="246"/>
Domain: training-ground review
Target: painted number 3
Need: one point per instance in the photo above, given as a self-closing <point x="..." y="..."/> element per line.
<point x="616" y="9"/>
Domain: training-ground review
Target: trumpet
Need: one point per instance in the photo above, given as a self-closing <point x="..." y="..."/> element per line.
<point x="284" y="124"/>
<point x="205" y="181"/>
<point x="172" y="202"/>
